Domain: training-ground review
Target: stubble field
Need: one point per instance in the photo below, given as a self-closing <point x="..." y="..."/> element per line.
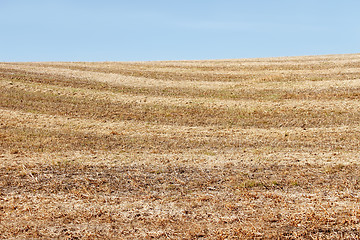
<point x="218" y="149"/>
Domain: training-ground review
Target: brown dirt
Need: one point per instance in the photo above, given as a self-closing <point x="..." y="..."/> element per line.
<point x="225" y="149"/>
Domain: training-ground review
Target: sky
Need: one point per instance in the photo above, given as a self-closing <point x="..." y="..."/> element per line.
<point x="146" y="30"/>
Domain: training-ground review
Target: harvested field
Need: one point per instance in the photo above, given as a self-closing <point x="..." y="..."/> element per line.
<point x="218" y="149"/>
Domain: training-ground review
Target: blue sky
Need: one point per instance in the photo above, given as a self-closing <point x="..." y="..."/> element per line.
<point x="139" y="30"/>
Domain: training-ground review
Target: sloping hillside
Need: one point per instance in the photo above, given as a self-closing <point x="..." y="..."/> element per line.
<point x="222" y="149"/>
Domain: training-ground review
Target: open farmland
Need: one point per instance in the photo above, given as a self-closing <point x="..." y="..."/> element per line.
<point x="218" y="149"/>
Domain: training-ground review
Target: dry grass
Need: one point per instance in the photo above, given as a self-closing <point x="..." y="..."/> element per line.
<point x="225" y="149"/>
